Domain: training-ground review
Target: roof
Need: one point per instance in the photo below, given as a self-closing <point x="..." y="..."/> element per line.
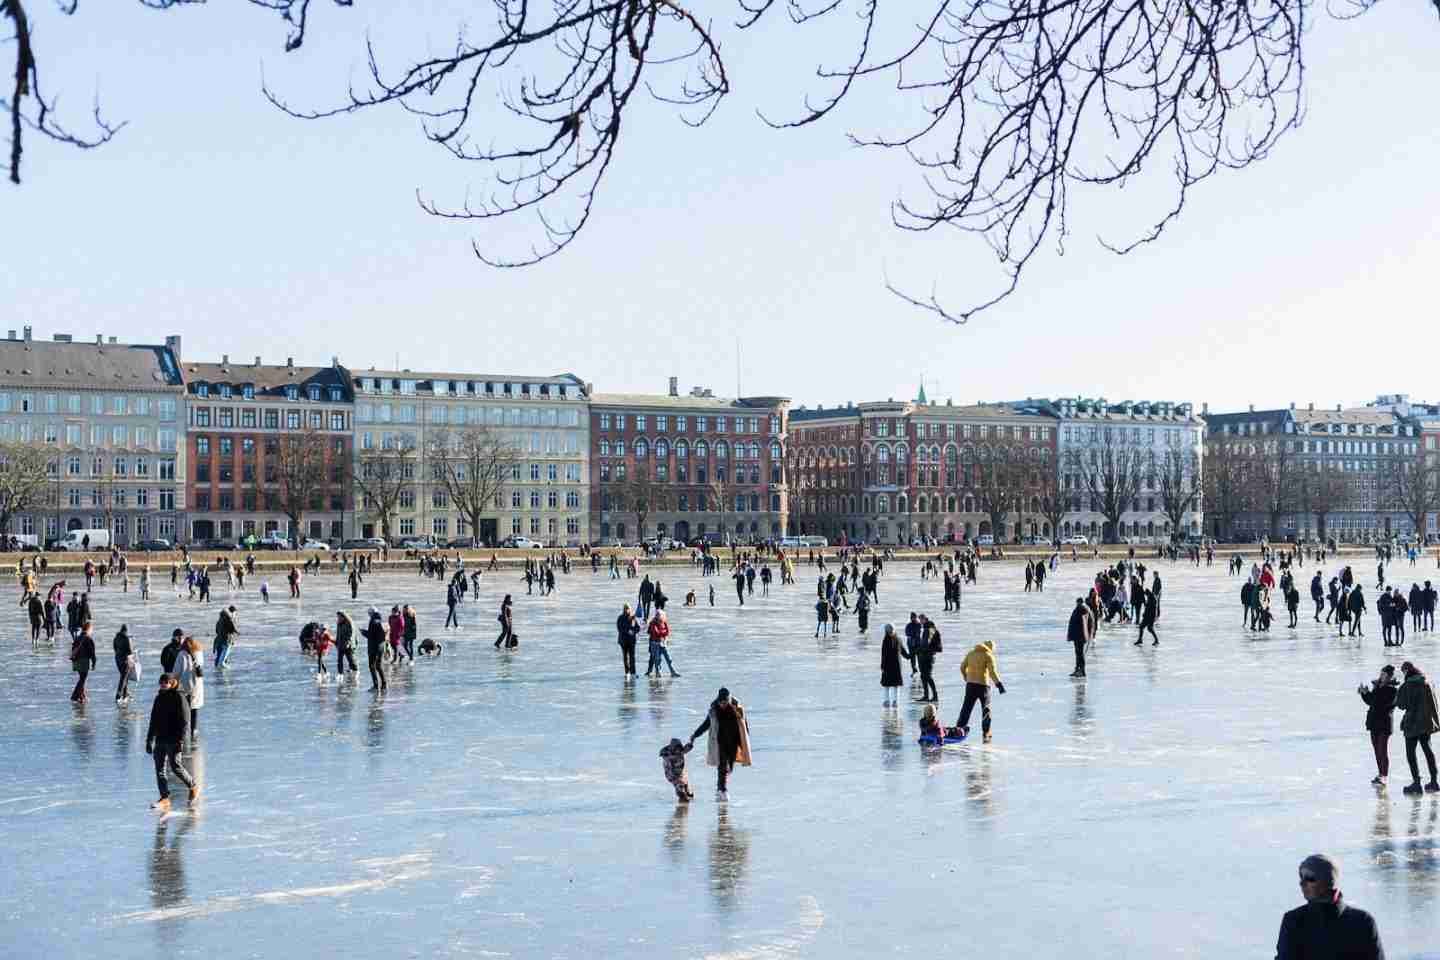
<point x="94" y="366"/>
<point x="424" y="379"/>
<point x="810" y="414"/>
<point x="267" y="379"/>
<point x="686" y="402"/>
<point x="1129" y="411"/>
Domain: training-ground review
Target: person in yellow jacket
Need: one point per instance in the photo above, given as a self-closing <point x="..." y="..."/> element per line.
<point x="979" y="668"/>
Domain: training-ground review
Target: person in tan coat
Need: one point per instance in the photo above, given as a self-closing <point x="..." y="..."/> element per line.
<point x="729" y="741"/>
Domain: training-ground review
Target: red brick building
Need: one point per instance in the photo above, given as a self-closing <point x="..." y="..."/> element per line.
<point x="706" y="465"/>
<point x="890" y="471"/>
<point x="238" y="417"/>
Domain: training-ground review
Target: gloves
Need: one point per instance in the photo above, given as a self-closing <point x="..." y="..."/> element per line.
<point x="999" y="686"/>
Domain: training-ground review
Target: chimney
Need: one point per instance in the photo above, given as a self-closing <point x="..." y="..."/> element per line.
<point x="173" y="342"/>
<point x="335" y="362"/>
<point x="1205" y="408"/>
<point x="1312" y="406"/>
<point x="1252" y="408"/>
<point x="224" y="359"/>
<point x="1292" y="404"/>
<point x="99" y="339"/>
<point x="112" y="339"/>
<point x="290" y="362"/>
<point x="12" y="334"/>
<point x="257" y="361"/>
<point x="27" y="334"/>
<point x="674" y="386"/>
<point x="1337" y="408"/>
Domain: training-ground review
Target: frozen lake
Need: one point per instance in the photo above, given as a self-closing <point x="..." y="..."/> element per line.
<point x="512" y="805"/>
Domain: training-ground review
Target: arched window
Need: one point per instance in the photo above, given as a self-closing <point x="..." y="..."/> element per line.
<point x="701" y="449"/>
<point x="642" y="448"/>
<point x="619" y="448"/>
<point x="902" y="454"/>
<point x="662" y="448"/>
<point x="722" y="449"/>
<point x="604" y="448"/>
<point x="775" y="453"/>
<point x="883" y="454"/>
<point x="682" y="449"/>
<point x="882" y="504"/>
<point x="950" y="503"/>
<point x="901" y="503"/>
<point x="754" y="449"/>
<point x="921" y="504"/>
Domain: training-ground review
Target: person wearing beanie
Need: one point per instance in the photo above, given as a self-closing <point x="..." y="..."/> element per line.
<point x="1422" y="719"/>
<point x="1326" y="926"/>
<point x="375" y="650"/>
<point x="1379" y="698"/>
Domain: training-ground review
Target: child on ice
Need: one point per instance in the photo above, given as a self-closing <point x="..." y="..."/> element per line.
<point x="265" y="590"/>
<point x="672" y="758"/>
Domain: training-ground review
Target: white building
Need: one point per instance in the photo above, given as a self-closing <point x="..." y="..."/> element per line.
<point x="1151" y="430"/>
<point x="544" y="418"/>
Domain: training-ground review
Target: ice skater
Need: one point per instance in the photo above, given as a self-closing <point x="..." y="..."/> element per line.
<point x="1379" y="698"/>
<point x="165" y="740"/>
<point x="672" y="761"/>
<point x="729" y="741"/>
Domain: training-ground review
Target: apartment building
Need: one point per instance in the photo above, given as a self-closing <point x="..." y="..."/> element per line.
<point x="542" y="418"/>
<point x="704" y="465"/>
<point x="108" y="413"/>
<point x="266" y="441"/>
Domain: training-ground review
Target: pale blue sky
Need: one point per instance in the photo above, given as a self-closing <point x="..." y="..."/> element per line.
<point x="1310" y="277"/>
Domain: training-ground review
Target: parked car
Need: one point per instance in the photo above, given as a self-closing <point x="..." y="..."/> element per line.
<point x="1079" y="540"/>
<point x="358" y="545"/>
<point x="520" y="543"/>
<point x="985" y="540"/>
<point x="154" y="546"/>
<point x="273" y="541"/>
<point x="315" y="545"/>
<point x="417" y="543"/>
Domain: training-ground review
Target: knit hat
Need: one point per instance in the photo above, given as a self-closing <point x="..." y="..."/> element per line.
<point x="1321" y="867"/>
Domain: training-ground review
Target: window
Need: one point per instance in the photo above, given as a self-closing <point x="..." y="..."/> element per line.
<point x="719" y="424"/>
<point x="292" y="419"/>
<point x="775" y="425"/>
<point x="248" y="391"/>
<point x="640" y="422"/>
<point x="167" y="410"/>
<point x="337" y="421"/>
<point x="700" y="424"/>
<point x="272" y="419"/>
<point x="226" y="417"/>
<point x="202" y="416"/>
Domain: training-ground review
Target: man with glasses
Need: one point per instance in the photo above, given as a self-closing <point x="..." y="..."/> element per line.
<point x="1326" y="926"/>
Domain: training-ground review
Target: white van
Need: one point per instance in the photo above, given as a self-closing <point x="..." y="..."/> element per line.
<point x="77" y="540"/>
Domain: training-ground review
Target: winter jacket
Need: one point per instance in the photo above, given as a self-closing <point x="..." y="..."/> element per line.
<point x="1381" y="699"/>
<point x="169" y="719"/>
<point x="374" y="637"/>
<point x="659" y="631"/>
<point x="344" y="633"/>
<point x="1417" y="698"/>
<point x="192" y="682"/>
<point x="1328" y="931"/>
<point x="979" y="665"/>
<point x="1079" y="629"/>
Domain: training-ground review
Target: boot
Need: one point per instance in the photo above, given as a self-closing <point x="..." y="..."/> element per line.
<point x="163" y="804"/>
<point x="1414" y="789"/>
<point x="1433" y="786"/>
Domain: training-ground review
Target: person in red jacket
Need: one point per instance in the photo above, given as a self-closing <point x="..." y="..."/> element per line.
<point x="659" y="634"/>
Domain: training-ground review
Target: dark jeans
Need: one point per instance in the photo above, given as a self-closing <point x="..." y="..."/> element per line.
<point x="927" y="679"/>
<point x="627" y="657"/>
<point x="976" y="693"/>
<point x="1381" y="744"/>
<point x="1410" y="756"/>
<point x="377" y="669"/>
<point x="1079" y="656"/>
<point x="722" y="772"/>
<point x="341" y="655"/>
<point x="169" y="752"/>
<point x="79" y="692"/>
<point x="505" y="635"/>
<point x="410" y="647"/>
<point x="451" y="618"/>
<point x="123" y="690"/>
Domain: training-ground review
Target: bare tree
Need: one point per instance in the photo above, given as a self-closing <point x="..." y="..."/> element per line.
<point x="1321" y="492"/>
<point x="798" y="482"/>
<point x="23" y="479"/>
<point x="1226" y="484"/>
<point x="1054" y="501"/>
<point x="718" y="490"/>
<point x="641" y="495"/>
<point x="1273" y="473"/>
<point x="300" y="476"/>
<point x="473" y="464"/>
<point x="1412" y="487"/>
<point x="995" y="489"/>
<point x="1110" y="472"/>
<point x="381" y="477"/>
<point x="1177" y="475"/>
<point x="1014" y="105"/>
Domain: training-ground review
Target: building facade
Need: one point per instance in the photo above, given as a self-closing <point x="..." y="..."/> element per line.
<point x="1330" y="466"/>
<point x="705" y="465"/>
<point x="1153" y="433"/>
<point x="108" y="413"/>
<point x="897" y="471"/>
<point x="262" y="438"/>
<point x="543" y="419"/>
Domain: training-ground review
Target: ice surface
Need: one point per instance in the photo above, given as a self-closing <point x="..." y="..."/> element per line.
<point x="512" y="804"/>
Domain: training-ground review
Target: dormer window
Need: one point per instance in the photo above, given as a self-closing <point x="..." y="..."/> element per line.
<point x="225" y="391"/>
<point x="248" y="391"/>
<point x="335" y="395"/>
<point x="202" y="389"/>
<point x="292" y="393"/>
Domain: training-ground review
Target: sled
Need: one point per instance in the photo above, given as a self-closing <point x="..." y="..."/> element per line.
<point x="928" y="741"/>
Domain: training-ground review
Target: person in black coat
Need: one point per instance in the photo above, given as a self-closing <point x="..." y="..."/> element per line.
<point x="82" y="661"/>
<point x="1379" y="720"/>
<point x="375" y="650"/>
<point x="1149" y="613"/>
<point x="1326" y="926"/>
<point x="627" y="627"/>
<point x="1357" y="610"/>
<point x="1081" y="628"/>
<point x="165" y="738"/>
<point x="123" y="650"/>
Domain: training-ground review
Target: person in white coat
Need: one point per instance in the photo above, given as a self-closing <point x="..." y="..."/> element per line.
<point x="191" y="674"/>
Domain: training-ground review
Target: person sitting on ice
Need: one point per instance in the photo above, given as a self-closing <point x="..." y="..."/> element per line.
<point x="429" y="648"/>
<point x="930" y="725"/>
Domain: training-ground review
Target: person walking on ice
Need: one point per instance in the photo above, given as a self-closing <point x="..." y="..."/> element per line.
<point x="165" y="739"/>
<point x="729" y="741"/>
